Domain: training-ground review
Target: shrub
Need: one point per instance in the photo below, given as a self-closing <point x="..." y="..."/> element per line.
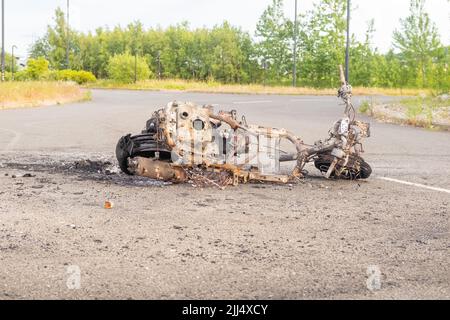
<point x="20" y="75"/>
<point x="8" y="76"/>
<point x="121" y="68"/>
<point x="365" y="107"/>
<point x="37" y="69"/>
<point x="80" y="77"/>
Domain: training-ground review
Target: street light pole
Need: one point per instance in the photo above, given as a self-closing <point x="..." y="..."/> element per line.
<point x="67" y="37"/>
<point x="135" y="67"/>
<point x="347" y="49"/>
<point x="3" y="40"/>
<point x="159" y="65"/>
<point x="12" y="61"/>
<point x="294" y="71"/>
<point x="265" y="69"/>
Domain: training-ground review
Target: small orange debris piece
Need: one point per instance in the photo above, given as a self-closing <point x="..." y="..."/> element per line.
<point x="108" y="205"/>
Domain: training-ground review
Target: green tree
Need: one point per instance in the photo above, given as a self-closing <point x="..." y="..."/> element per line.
<point x="227" y="54"/>
<point x="9" y="62"/>
<point x="418" y="42"/>
<point x="94" y="52"/>
<point x="323" y="38"/>
<point x="53" y="44"/>
<point x="439" y="74"/>
<point x="386" y="70"/>
<point x="153" y="44"/>
<point x="122" y="68"/>
<point x="274" y="34"/>
<point x="363" y="60"/>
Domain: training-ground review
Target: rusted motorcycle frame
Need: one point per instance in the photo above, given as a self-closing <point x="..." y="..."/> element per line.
<point x="184" y="142"/>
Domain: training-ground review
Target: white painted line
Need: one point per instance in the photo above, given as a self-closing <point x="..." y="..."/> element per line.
<point x="415" y="184"/>
<point x="310" y="100"/>
<point x="252" y="102"/>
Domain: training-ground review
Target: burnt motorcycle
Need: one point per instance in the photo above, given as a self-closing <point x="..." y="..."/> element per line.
<point x="183" y="142"/>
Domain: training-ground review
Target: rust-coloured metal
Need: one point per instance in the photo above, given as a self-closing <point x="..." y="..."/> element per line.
<point x="158" y="170"/>
<point x="184" y="142"/>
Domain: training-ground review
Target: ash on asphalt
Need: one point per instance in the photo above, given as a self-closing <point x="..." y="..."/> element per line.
<point x="92" y="168"/>
<point x="98" y="167"/>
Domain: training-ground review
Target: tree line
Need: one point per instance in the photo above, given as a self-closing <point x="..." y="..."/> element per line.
<point x="228" y="54"/>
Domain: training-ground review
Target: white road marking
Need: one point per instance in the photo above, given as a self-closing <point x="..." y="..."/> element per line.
<point x="310" y="100"/>
<point x="252" y="102"/>
<point x="13" y="141"/>
<point x="418" y="185"/>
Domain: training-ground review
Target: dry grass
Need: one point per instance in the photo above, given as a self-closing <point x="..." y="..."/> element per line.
<point x="215" y="87"/>
<point x="39" y="93"/>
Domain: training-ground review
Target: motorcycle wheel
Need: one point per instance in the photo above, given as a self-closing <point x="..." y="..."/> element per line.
<point x="356" y="168"/>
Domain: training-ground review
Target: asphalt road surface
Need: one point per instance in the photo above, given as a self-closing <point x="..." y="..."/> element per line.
<point x="385" y="238"/>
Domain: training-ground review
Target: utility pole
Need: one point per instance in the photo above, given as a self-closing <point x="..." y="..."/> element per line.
<point x="347" y="49"/>
<point x="446" y="58"/>
<point x="159" y="65"/>
<point x="12" y="61"/>
<point x="3" y="40"/>
<point x="265" y="69"/>
<point x="294" y="71"/>
<point x="135" y="67"/>
<point x="67" y="37"/>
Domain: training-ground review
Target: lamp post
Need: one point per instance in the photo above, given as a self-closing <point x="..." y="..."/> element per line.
<point x="67" y="38"/>
<point x="265" y="69"/>
<point x="159" y="65"/>
<point x="135" y="67"/>
<point x="12" y="61"/>
<point x="347" y="49"/>
<point x="294" y="71"/>
<point x="3" y="40"/>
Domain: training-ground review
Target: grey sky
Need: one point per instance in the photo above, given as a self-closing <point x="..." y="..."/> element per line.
<point x="26" y="20"/>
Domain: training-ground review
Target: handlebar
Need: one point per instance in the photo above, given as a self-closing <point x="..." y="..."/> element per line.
<point x="345" y="93"/>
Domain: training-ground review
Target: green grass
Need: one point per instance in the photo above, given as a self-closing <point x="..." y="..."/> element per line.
<point x="216" y="87"/>
<point x="36" y="93"/>
<point x="87" y="96"/>
<point x="423" y="106"/>
<point x="365" y="107"/>
<point x="430" y="112"/>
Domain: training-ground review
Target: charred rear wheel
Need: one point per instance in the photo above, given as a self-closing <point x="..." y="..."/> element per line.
<point x="355" y="169"/>
<point x="143" y="145"/>
<point x="123" y="152"/>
